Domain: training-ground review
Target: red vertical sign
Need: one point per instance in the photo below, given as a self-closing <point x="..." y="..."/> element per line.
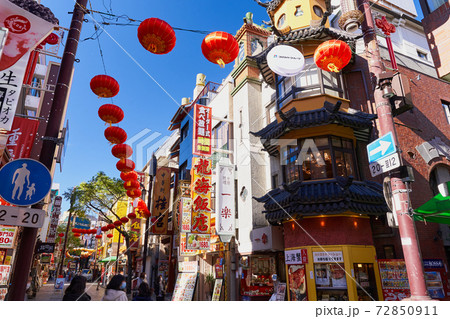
<point x="202" y="143"/>
<point x="21" y="137"/>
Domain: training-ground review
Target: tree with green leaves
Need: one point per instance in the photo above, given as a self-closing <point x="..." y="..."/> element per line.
<point x="100" y="195"/>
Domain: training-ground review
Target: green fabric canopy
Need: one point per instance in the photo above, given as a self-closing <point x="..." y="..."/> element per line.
<point x="436" y="210"/>
<point x="108" y="259"/>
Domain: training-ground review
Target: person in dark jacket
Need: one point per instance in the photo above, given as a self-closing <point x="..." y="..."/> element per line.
<point x="75" y="291"/>
<point x="144" y="293"/>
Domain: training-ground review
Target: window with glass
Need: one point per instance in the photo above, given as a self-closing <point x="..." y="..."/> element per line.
<point x="310" y="81"/>
<point x="281" y="21"/>
<point x="331" y="283"/>
<point x="319" y="158"/>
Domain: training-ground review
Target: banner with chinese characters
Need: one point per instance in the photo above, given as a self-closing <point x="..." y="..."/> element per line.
<point x="202" y="143"/>
<point x="161" y="194"/>
<point x="135" y="231"/>
<point x="11" y="81"/>
<point x="21" y="137"/>
<point x="7" y="235"/>
<point x="185" y="213"/>
<point x="54" y="220"/>
<point x="295" y="256"/>
<point x="225" y="210"/>
<point x="201" y="196"/>
<point x="26" y="31"/>
<point x="121" y="210"/>
<point x="198" y="241"/>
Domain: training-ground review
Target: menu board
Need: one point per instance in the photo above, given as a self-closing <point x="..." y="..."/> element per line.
<point x="330" y="276"/>
<point x="434" y="284"/>
<point x="394" y="279"/>
<point x="184" y="287"/>
<point x="217" y="290"/>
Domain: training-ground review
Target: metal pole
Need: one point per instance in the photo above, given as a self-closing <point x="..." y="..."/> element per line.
<point x="411" y="249"/>
<point x="147" y="224"/>
<point x="25" y="251"/>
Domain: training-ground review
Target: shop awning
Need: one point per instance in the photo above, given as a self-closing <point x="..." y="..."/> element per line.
<point x="108" y="259"/>
<point x="436" y="210"/>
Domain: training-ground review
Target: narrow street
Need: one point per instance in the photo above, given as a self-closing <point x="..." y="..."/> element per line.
<point x="48" y="293"/>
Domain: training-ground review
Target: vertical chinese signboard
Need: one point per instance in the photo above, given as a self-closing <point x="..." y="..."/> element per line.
<point x="202" y="145"/>
<point x="161" y="194"/>
<point x="54" y="220"/>
<point x="225" y="210"/>
<point x="136" y="231"/>
<point x="21" y="137"/>
<point x="201" y="196"/>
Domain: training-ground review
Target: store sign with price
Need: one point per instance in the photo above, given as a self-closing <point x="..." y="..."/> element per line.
<point x="22" y="216"/>
<point x="384" y="164"/>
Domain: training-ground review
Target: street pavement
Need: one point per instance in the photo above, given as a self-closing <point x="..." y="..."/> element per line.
<point x="48" y="292"/>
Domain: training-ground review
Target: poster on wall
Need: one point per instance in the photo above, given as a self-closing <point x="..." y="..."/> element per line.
<point x="4" y="274"/>
<point x="197" y="241"/>
<point x="297" y="283"/>
<point x="185" y="213"/>
<point x="7" y="235"/>
<point x="394" y="279"/>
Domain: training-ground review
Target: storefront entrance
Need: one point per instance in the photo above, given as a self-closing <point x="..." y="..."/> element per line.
<point x="366" y="286"/>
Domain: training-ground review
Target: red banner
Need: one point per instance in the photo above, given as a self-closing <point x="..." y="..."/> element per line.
<point x="136" y="229"/>
<point x="161" y="199"/>
<point x="202" y="143"/>
<point x="21" y="137"/>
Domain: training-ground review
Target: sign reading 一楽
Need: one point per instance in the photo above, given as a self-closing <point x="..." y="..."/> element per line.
<point x="225" y="209"/>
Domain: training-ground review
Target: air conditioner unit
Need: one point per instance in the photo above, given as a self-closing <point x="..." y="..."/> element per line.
<point x="32" y="102"/>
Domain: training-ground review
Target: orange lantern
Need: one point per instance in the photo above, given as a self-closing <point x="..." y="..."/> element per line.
<point x="131" y="184"/>
<point x="110" y="113"/>
<point x="115" y="135"/>
<point x="146" y="213"/>
<point x="122" y="151"/>
<point x="104" y="86"/>
<point x="156" y="36"/>
<point x="129" y="176"/>
<point x="134" y="193"/>
<point x="125" y="165"/>
<point x="332" y="55"/>
<point x="220" y="48"/>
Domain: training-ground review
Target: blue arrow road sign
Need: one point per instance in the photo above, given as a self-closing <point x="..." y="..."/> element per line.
<point x="24" y="182"/>
<point x="381" y="147"/>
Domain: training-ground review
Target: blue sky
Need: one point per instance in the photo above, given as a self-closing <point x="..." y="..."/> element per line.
<point x="145" y="104"/>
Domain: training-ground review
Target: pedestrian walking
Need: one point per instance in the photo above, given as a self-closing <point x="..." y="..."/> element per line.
<point x="76" y="290"/>
<point x="144" y="293"/>
<point x="160" y="288"/>
<point x="142" y="278"/>
<point x="115" y="289"/>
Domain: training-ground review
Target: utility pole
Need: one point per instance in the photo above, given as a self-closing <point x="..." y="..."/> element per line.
<point x="25" y="251"/>
<point x="401" y="204"/>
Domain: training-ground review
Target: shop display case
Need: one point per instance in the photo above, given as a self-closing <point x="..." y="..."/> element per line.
<point x="256" y="278"/>
<point x="331" y="283"/>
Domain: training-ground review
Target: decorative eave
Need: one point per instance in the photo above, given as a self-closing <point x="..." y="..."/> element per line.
<point x="37" y="9"/>
<point x="323" y="197"/>
<point x="252" y="28"/>
<point x="360" y="122"/>
<point x="320" y="33"/>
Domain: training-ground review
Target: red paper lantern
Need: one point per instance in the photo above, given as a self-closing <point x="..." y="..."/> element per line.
<point x="124" y="220"/>
<point x="115" y="135"/>
<point x="104" y="86"/>
<point x="131" y="184"/>
<point x="109" y="235"/>
<point x="146" y="213"/>
<point x="125" y="165"/>
<point x="52" y="39"/>
<point x="75" y="230"/>
<point x="117" y="223"/>
<point x="220" y="48"/>
<point x="156" y="36"/>
<point x="332" y="55"/>
<point x="134" y="193"/>
<point x="110" y="113"/>
<point x="93" y="231"/>
<point x="141" y="205"/>
<point x="122" y="151"/>
<point x="98" y="236"/>
<point x="127" y="176"/>
<point x="153" y="220"/>
<point x="131" y="215"/>
<point x="111" y="226"/>
<point x="76" y="235"/>
<point x="104" y="228"/>
<point x="61" y="235"/>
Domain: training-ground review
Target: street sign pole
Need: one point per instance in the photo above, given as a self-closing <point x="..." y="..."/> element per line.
<point x="401" y="205"/>
<point x="25" y="251"/>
